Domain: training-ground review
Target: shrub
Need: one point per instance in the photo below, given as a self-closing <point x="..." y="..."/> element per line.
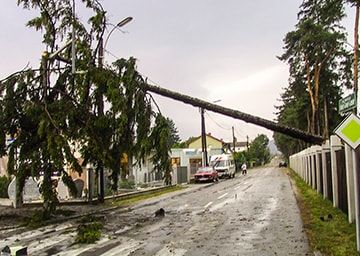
<point x="129" y="184"/>
<point x="88" y="233"/>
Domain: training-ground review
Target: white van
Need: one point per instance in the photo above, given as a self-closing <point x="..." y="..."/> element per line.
<point x="224" y="164"/>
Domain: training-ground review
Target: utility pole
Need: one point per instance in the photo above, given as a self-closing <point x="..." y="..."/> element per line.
<point x="234" y="139"/>
<point x="247" y="143"/>
<point x="203" y="139"/>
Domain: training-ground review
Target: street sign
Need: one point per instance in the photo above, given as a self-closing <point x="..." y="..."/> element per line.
<point x="348" y="103"/>
<point x="349" y="130"/>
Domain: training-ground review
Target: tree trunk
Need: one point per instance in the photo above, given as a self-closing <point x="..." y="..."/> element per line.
<point x="356" y="47"/>
<point x="311" y="94"/>
<point x="307" y="137"/>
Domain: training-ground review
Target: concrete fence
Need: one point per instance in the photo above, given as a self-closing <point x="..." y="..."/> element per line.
<point x="329" y="169"/>
<point x="333" y="171"/>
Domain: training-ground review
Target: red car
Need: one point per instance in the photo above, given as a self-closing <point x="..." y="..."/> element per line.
<point x="207" y="173"/>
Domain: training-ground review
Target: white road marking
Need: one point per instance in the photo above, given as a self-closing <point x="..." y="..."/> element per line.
<point x="126" y="248"/>
<point x="236" y="188"/>
<point x="222" y="196"/>
<point x="210" y="203"/>
<point x="77" y="249"/>
<point x="39" y="245"/>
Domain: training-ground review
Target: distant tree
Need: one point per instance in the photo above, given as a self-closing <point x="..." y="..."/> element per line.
<point x="240" y="158"/>
<point x="174" y="133"/>
<point x="259" y="150"/>
<point x="184" y="144"/>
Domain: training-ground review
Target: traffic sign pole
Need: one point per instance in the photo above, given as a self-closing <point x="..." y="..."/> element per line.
<point x="349" y="131"/>
<point x="355" y="157"/>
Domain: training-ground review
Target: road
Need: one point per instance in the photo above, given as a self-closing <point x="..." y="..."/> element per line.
<point x="256" y="214"/>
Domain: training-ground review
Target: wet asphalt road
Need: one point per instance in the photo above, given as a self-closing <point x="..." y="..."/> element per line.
<point x="256" y="214"/>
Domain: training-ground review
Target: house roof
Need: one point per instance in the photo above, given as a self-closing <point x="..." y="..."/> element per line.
<point x="207" y="135"/>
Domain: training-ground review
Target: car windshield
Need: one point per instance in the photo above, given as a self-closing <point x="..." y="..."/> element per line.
<point x="218" y="163"/>
<point x="205" y="169"/>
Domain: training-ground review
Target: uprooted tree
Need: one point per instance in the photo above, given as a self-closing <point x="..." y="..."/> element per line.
<point x="54" y="113"/>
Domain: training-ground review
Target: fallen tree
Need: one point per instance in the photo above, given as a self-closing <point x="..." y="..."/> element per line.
<point x="271" y="125"/>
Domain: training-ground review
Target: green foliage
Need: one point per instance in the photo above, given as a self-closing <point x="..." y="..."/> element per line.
<point x="161" y="158"/>
<point x="182" y="144"/>
<point x="36" y="220"/>
<point x="128" y="184"/>
<point x="32" y="106"/>
<point x="89" y="229"/>
<point x="240" y="158"/>
<point x="4" y="184"/>
<point x="320" y="68"/>
<point x="88" y="233"/>
<point x="168" y="189"/>
<point x="174" y="133"/>
<point x="258" y="150"/>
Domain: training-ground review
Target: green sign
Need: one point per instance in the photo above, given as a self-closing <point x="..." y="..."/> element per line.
<point x="347" y="104"/>
<point x="349" y="131"/>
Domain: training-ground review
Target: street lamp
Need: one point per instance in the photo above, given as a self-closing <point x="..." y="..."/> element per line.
<point x="119" y="25"/>
<point x="101" y="191"/>
<point x="103" y="46"/>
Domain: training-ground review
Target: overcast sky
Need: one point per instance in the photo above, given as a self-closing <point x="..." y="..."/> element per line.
<point x="212" y="50"/>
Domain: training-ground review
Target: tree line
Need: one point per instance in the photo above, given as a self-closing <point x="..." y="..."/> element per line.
<point x="322" y="67"/>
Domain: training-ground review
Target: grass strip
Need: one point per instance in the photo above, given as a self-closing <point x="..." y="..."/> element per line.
<point x="333" y="236"/>
<point x="146" y="196"/>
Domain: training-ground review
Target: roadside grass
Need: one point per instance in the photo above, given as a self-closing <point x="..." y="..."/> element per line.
<point x="146" y="196"/>
<point x="333" y="236"/>
<point x="37" y="220"/>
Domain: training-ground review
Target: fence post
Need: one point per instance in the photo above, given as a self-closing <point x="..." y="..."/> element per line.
<point x="335" y="144"/>
<point x="325" y="169"/>
<point x="308" y="166"/>
<point x="350" y="173"/>
<point x="318" y="164"/>
<point x="313" y="167"/>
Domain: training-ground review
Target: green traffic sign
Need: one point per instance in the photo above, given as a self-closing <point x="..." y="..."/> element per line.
<point x="347" y="104"/>
<point x="349" y="130"/>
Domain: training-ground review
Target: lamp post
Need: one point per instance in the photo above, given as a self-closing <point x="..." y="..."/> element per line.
<point x="102" y="46"/>
<point x="101" y="185"/>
